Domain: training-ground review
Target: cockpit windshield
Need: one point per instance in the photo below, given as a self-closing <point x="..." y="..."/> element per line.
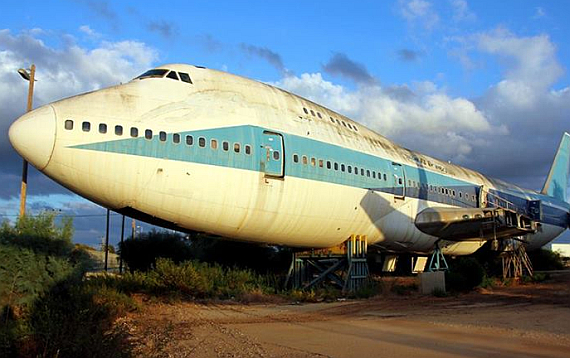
<point x="154" y="73"/>
<point x="160" y="73"/>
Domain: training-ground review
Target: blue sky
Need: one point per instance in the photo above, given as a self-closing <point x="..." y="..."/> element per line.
<point x="484" y="84"/>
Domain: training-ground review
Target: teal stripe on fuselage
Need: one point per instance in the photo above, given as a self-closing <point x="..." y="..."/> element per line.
<point x="302" y="146"/>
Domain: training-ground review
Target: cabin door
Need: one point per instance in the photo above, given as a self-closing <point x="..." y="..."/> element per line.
<point x="272" y="154"/>
<point x="399" y="180"/>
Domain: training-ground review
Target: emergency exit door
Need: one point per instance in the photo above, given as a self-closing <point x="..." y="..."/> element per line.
<point x="272" y="154"/>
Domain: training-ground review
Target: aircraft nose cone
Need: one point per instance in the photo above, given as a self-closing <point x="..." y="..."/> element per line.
<point x="33" y="136"/>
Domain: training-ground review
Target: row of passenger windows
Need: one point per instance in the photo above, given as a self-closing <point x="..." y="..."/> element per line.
<point x="321" y="163"/>
<point x="189" y="139"/>
<point x="334" y="120"/>
<point x="442" y="190"/>
<point x="162" y="136"/>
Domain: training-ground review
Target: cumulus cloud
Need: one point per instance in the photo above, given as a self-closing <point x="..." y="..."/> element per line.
<point x="510" y="131"/>
<point x="424" y="117"/>
<point x="419" y="12"/>
<point x="61" y="72"/>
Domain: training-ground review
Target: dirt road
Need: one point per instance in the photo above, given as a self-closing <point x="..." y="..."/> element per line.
<point x="521" y="321"/>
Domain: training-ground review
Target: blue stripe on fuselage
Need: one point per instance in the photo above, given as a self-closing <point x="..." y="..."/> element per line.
<point x="426" y="184"/>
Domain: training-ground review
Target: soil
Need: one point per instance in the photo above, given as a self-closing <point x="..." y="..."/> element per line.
<point x="531" y="320"/>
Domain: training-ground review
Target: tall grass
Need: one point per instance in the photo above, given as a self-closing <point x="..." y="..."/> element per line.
<point x="190" y="279"/>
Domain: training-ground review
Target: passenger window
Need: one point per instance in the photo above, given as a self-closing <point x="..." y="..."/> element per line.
<point x="400" y="181"/>
<point x="319" y="115"/>
<point x="313" y="162"/>
<point x="373" y="175"/>
<point x="148" y="134"/>
<point x="248" y="149"/>
<point x="162" y="136"/>
<point x="305" y="110"/>
<point x="362" y="171"/>
<point x="214" y="144"/>
<point x="176" y="138"/>
<point x="295" y="158"/>
<point x="335" y="166"/>
<point x="118" y="130"/>
<point x="355" y="128"/>
<point x="102" y="128"/>
<point x="236" y="147"/>
<point x="172" y="75"/>
<point x="312" y="113"/>
<point x="328" y="164"/>
<point x="349" y="126"/>
<point x="344" y="124"/>
<point x="68" y="124"/>
<point x="202" y="142"/>
<point x="385" y="177"/>
<point x="342" y="167"/>
<point x="134" y="132"/>
<point x="349" y="169"/>
<point x="189" y="140"/>
<point x="305" y="160"/>
<point x="368" y="173"/>
<point x="86" y="126"/>
<point x="332" y="120"/>
<point x="276" y="155"/>
<point x="321" y="162"/>
<point x="355" y="170"/>
<point x="185" y="77"/>
<point x="225" y="146"/>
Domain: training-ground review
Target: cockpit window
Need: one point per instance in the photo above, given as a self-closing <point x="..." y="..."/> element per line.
<point x="155" y="73"/>
<point x="185" y="77"/>
<point x="172" y="75"/>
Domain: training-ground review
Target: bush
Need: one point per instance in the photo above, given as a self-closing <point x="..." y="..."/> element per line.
<point x="546" y="260"/>
<point x="140" y="254"/>
<point x="74" y="320"/>
<point x="46" y="308"/>
<point x="465" y="273"/>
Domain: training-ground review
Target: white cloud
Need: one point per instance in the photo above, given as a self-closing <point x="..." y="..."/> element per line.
<point x="461" y="11"/>
<point x="402" y="114"/>
<point x="419" y="12"/>
<point x="61" y="72"/>
<point x="539" y="13"/>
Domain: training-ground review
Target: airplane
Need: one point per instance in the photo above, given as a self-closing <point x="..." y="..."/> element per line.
<point x="200" y="150"/>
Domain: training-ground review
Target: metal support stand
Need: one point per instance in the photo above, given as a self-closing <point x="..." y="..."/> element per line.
<point x="437" y="261"/>
<point x="344" y="266"/>
<point x="515" y="259"/>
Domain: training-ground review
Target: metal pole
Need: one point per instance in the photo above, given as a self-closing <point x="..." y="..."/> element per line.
<point x="134" y="227"/>
<point x="24" y="185"/>
<point x="107" y="241"/>
<point x="122" y="237"/>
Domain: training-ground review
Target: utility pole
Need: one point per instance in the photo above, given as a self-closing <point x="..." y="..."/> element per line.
<point x="30" y="77"/>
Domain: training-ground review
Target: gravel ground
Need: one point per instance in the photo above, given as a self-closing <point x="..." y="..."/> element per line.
<point x="518" y="321"/>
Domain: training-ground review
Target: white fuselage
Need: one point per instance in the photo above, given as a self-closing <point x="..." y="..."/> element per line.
<point x="244" y="196"/>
